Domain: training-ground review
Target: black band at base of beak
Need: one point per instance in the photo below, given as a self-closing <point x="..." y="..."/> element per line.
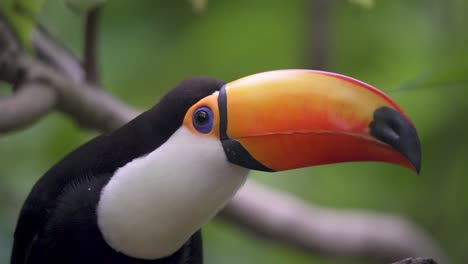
<point x="222" y="106"/>
<point x="235" y="152"/>
<point x="238" y="155"/>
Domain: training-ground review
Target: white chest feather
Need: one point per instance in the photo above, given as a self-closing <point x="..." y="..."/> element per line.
<point x="152" y="205"/>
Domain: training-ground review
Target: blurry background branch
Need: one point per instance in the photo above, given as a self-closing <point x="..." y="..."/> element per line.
<point x="318" y="15"/>
<point x="272" y="214"/>
<point x="49" y="50"/>
<point x="91" y="56"/>
<point x="55" y="80"/>
<point x="416" y="261"/>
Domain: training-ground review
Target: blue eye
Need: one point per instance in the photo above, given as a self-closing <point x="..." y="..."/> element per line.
<point x="203" y="119"/>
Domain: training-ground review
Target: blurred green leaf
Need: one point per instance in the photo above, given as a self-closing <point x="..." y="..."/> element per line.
<point x="367" y="4"/>
<point x="448" y="75"/>
<point x="83" y="6"/>
<point x="22" y="15"/>
<point x="198" y="6"/>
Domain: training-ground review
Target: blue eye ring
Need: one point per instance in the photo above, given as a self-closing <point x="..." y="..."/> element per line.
<point x="202" y="120"/>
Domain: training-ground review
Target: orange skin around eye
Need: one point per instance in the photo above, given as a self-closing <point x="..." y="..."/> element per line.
<point x="210" y="102"/>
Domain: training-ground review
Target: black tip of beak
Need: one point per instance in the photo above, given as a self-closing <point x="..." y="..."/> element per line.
<point x="393" y="128"/>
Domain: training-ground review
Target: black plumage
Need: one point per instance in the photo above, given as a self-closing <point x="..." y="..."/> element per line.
<point x="58" y="222"/>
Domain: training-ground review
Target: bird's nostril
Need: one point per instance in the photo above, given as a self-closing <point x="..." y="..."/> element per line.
<point x="384" y="132"/>
<point x="392" y="133"/>
<point x="395" y="126"/>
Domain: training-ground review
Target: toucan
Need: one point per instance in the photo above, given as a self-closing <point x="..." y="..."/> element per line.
<point x="141" y="193"/>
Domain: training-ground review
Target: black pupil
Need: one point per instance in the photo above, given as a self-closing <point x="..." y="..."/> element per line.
<point x="202" y="117"/>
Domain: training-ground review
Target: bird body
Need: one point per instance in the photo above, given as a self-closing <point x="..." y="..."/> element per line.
<point x="141" y="193"/>
<point x="80" y="177"/>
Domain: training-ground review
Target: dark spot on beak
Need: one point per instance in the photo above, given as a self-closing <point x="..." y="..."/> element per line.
<point x="393" y="128"/>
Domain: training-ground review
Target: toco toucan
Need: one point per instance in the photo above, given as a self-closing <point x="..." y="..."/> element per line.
<point x="141" y="193"/>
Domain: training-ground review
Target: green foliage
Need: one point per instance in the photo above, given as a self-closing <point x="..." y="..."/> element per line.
<point x="22" y="15"/>
<point x="199" y="6"/>
<point x="414" y="50"/>
<point x="83" y="6"/>
<point x="368" y="4"/>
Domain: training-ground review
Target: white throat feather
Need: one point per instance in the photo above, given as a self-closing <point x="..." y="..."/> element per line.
<point x="153" y="204"/>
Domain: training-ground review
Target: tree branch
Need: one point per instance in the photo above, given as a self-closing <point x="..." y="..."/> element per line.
<point x="90" y="107"/>
<point x="28" y="104"/>
<point x="318" y="39"/>
<point x="91" y="56"/>
<point x="416" y="261"/>
<point x="269" y="213"/>
<point x="279" y="216"/>
<point x="9" y="49"/>
<point x="54" y="53"/>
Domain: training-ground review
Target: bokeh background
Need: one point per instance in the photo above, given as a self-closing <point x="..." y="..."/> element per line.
<point x="416" y="51"/>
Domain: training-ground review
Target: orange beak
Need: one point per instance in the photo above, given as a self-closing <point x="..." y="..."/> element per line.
<point x="287" y="119"/>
